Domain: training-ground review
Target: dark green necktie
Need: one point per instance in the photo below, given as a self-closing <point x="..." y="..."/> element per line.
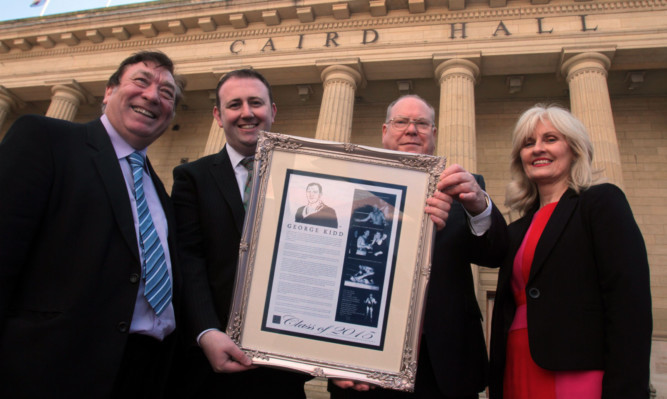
<point x="247" y="163"/>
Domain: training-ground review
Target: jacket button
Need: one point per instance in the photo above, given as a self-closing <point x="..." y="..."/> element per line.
<point x="122" y="327"/>
<point x="534" y="293"/>
<point x="134" y="278"/>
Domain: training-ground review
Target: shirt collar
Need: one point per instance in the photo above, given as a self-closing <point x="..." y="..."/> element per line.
<point x="122" y="148"/>
<point x="234" y="157"/>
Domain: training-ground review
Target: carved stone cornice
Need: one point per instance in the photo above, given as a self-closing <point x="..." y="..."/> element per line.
<point x="208" y="21"/>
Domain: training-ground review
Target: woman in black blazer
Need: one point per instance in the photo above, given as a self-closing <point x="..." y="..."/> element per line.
<point x="572" y="314"/>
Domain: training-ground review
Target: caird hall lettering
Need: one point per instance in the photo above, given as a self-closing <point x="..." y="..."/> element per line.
<point x="370" y="36"/>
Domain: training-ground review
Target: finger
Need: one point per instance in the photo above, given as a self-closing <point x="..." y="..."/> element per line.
<point x="344" y="384"/>
<point x="439" y="195"/>
<point x="439" y="223"/>
<point x="239" y="356"/>
<point x="451" y="169"/>
<point x="361" y="387"/>
<point x="468" y="196"/>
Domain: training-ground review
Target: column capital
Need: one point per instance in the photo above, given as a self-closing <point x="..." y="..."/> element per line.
<point x="588" y="61"/>
<point x="216" y="139"/>
<point x="10" y="100"/>
<point x="73" y="91"/>
<point x="456" y="66"/>
<point x="347" y="70"/>
<point x="67" y="96"/>
<point x="340" y="79"/>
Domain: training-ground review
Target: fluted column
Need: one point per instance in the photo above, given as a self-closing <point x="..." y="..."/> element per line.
<point x="335" y="120"/>
<point x="216" y="139"/>
<point x="589" y="99"/>
<point x="65" y="102"/>
<point x="456" y="125"/>
<point x="6" y="105"/>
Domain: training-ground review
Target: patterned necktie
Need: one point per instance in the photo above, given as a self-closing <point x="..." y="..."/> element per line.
<point x="247" y="163"/>
<point x="157" y="288"/>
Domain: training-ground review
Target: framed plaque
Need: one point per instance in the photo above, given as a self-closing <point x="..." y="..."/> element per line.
<point x="335" y="259"/>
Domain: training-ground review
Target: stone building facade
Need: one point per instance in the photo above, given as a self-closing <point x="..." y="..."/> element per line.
<point x="336" y="65"/>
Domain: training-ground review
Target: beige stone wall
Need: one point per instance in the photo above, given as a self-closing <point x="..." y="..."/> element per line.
<point x="641" y="125"/>
<point x="187" y="143"/>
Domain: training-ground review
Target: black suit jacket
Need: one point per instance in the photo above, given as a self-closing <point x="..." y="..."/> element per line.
<point x="453" y="321"/>
<point x="210" y="214"/>
<point x="68" y="259"/>
<point x="588" y="294"/>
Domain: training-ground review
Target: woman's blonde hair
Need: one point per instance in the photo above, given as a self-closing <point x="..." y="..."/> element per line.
<point x="522" y="192"/>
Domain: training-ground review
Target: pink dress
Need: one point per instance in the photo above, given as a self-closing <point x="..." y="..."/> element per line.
<point x="523" y="378"/>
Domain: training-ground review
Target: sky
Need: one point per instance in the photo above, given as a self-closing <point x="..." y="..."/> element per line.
<point x="18" y="9"/>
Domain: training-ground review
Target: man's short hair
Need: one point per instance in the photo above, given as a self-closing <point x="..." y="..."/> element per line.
<point x="242" y="74"/>
<point x="319" y="187"/>
<point x="391" y="106"/>
<point x="156" y="57"/>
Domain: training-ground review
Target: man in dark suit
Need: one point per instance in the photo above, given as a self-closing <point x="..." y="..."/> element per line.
<point x="208" y="197"/>
<point x="76" y="317"/>
<point x="452" y="361"/>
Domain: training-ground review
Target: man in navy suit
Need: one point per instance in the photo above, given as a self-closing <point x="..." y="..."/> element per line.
<point x="74" y="317"/>
<point x="208" y="197"/>
<point x="452" y="359"/>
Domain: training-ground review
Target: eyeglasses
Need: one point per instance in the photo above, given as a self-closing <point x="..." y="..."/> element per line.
<point x="401" y="124"/>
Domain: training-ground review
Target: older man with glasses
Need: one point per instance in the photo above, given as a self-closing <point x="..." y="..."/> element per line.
<point x="452" y="362"/>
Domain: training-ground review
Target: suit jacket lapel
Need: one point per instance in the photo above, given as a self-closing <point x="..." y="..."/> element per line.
<point x="553" y="230"/>
<point x="224" y="176"/>
<point x="107" y="165"/>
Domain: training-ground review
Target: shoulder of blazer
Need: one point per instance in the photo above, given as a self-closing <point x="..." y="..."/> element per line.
<point x="97" y="136"/>
<point x="205" y="163"/>
<point x="43" y="127"/>
<point x="218" y="167"/>
<point x="606" y="191"/>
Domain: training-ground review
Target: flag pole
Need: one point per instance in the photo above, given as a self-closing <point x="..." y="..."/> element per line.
<point x="44" y="8"/>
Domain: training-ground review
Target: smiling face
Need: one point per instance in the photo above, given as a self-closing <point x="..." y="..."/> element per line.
<point x="141" y="106"/>
<point x="244" y="110"/>
<point x="547" y="157"/>
<point x="409" y="139"/>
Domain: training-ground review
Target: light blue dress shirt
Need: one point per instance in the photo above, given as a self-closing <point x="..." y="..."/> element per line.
<point x="144" y="319"/>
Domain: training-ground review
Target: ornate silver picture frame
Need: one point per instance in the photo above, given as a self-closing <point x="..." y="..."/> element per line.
<point x="335" y="259"/>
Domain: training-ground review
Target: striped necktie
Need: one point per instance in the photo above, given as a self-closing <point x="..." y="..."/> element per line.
<point x="157" y="288"/>
<point x="247" y="163"/>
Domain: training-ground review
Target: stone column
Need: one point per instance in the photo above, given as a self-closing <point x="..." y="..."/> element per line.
<point x="456" y="125"/>
<point x="216" y="139"/>
<point x="335" y="120"/>
<point x="6" y="105"/>
<point x="65" y="102"/>
<point x="589" y="99"/>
